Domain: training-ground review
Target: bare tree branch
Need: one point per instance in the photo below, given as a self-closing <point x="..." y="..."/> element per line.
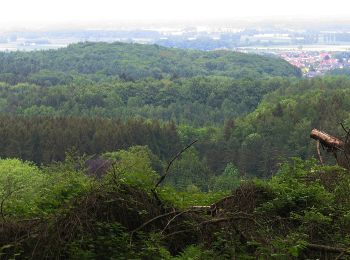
<point x="161" y="179"/>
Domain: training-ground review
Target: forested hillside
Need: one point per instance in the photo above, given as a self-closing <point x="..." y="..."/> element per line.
<point x="256" y="143"/>
<point x="279" y="127"/>
<point x="133" y="62"/>
<point x="128" y="151"/>
<point x="195" y="101"/>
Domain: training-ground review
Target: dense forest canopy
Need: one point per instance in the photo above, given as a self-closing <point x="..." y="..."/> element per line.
<point x="195" y="101"/>
<point x="134" y="62"/>
<point x="90" y="165"/>
<point x="124" y="81"/>
<point x="232" y="116"/>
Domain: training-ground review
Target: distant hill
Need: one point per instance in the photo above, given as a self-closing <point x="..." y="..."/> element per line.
<point x="134" y="62"/>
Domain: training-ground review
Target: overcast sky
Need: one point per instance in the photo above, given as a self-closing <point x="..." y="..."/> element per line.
<point x="26" y="13"/>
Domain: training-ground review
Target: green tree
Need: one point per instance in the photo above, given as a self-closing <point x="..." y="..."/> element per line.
<point x="133" y="166"/>
<point x="20" y="186"/>
<point x="189" y="170"/>
<point x="228" y="180"/>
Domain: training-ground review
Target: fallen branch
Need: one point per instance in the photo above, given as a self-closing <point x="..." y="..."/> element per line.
<point x="327" y="140"/>
<point x="176" y="213"/>
<point x="153" y="219"/>
<point x="333" y="145"/>
<point x="173" y="218"/>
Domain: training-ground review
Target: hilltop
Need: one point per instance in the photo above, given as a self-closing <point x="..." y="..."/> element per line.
<point x="134" y="62"/>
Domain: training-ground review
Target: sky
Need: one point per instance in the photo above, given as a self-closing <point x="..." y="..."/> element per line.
<point x="29" y="13"/>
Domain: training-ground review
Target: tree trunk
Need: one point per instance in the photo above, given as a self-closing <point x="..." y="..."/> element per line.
<point x="327" y="140"/>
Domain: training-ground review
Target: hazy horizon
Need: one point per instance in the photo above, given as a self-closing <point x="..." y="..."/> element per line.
<point x="40" y="14"/>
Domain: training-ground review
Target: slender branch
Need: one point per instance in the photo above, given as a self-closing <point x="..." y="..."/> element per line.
<point x="161" y="179"/>
<point x="346" y="131"/>
<point x="173" y="218"/>
<point x="152" y="220"/>
<point x="340" y="256"/>
<point x="174" y="212"/>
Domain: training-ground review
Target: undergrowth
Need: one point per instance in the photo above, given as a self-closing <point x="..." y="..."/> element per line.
<point x="57" y="212"/>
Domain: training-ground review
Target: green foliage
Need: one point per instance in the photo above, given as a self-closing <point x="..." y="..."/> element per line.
<point x="278" y="128"/>
<point x="133" y="80"/>
<point x="248" y="124"/>
<point x="62" y="184"/>
<point x="306" y="195"/>
<point x="46" y="139"/>
<point x="133" y="62"/>
<point x="188" y="171"/>
<point x="306" y="203"/>
<point x="20" y="185"/>
<point x="27" y="190"/>
<point x="343" y="72"/>
<point x="112" y="241"/>
<point x="228" y="180"/>
<point x="194" y="252"/>
<point x="190" y="197"/>
<point x="290" y="246"/>
<point x="194" y="101"/>
<point x="133" y="167"/>
<point x="293" y="195"/>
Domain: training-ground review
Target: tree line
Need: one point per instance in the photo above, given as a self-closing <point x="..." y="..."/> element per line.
<point x="47" y="139"/>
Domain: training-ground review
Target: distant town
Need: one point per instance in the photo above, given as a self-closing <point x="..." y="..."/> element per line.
<point x="312" y="63"/>
<point x="314" y="51"/>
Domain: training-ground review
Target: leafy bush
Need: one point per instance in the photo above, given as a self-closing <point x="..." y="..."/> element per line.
<point x="27" y="190"/>
<point x="112" y="241"/>
<point x="21" y="184"/>
<point x="62" y="184"/>
<point x="133" y="167"/>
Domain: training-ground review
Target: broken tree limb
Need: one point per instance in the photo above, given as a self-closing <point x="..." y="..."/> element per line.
<point x="327" y="140"/>
<point x="333" y="145"/>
